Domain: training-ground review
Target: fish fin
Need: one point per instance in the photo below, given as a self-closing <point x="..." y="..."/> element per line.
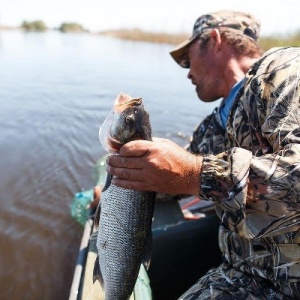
<point x="107" y="182"/>
<point x="97" y="215"/>
<point x="147" y="251"/>
<point x="97" y="275"/>
<point x="98" y="210"/>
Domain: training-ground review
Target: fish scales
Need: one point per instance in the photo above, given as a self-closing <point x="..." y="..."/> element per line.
<point x="125" y="216"/>
<point x="123" y="238"/>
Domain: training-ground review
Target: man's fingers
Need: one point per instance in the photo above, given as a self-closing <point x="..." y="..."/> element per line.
<point x="124" y="173"/>
<point x="118" y="161"/>
<point x="135" y="148"/>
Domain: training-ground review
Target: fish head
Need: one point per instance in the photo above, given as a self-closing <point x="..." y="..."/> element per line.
<point x="127" y="121"/>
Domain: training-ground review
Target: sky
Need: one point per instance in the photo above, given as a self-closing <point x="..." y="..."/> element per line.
<point x="276" y="16"/>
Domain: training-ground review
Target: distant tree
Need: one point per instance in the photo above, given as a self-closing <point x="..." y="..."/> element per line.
<point x="34" y="26"/>
<point x="71" y="27"/>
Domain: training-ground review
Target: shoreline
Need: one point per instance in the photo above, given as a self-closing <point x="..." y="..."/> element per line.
<point x="138" y="35"/>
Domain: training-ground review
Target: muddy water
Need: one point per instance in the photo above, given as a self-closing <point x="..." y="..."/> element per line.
<point x="55" y="90"/>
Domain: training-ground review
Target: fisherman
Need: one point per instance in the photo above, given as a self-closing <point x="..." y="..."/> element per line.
<point x="245" y="157"/>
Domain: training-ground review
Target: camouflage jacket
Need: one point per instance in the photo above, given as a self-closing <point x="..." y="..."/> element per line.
<point x="251" y="171"/>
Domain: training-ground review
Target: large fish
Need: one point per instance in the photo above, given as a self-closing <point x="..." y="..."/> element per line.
<point x="124" y="235"/>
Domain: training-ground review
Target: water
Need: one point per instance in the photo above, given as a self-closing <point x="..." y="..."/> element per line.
<point x="55" y="91"/>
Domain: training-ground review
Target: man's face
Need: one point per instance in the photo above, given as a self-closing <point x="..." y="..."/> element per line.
<point x="204" y="73"/>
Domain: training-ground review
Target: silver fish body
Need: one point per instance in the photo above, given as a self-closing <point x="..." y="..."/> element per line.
<point x="125" y="216"/>
<point x="124" y="238"/>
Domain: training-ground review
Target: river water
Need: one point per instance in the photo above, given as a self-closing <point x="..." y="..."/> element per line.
<point x="55" y="91"/>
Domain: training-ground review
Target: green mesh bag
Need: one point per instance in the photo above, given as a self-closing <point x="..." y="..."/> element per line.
<point x="80" y="205"/>
<point x="81" y="201"/>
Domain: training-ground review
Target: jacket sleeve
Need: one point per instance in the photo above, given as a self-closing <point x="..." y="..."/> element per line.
<point x="259" y="196"/>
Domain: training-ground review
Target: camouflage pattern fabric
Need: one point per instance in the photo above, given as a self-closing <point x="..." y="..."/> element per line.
<point x="254" y="182"/>
<point x="244" y="23"/>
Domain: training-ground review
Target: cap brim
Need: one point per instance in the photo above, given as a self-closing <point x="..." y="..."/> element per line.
<point x="180" y="53"/>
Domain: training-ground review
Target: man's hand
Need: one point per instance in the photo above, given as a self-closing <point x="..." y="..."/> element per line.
<point x="97" y="196"/>
<point x="159" y="165"/>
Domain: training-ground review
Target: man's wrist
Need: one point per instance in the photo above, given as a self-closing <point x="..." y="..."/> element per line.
<point x="195" y="186"/>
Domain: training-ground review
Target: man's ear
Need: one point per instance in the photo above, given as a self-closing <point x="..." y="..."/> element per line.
<point x="216" y="39"/>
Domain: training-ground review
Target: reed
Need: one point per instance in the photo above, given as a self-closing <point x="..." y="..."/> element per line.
<point x="265" y="42"/>
<point x="268" y="42"/>
<point x="145" y="36"/>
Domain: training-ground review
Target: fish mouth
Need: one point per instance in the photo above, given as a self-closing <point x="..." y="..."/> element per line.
<point x="123" y="101"/>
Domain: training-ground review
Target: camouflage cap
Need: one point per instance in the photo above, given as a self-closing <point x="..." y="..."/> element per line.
<point x="243" y="22"/>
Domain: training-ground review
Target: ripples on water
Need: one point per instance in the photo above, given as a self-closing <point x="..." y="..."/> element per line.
<point x="55" y="91"/>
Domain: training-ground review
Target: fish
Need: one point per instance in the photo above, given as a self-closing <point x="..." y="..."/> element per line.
<point x="124" y="216"/>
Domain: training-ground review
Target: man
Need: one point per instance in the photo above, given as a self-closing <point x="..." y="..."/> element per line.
<point x="245" y="157"/>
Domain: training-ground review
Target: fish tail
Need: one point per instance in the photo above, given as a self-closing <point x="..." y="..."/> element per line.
<point x="97" y="274"/>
